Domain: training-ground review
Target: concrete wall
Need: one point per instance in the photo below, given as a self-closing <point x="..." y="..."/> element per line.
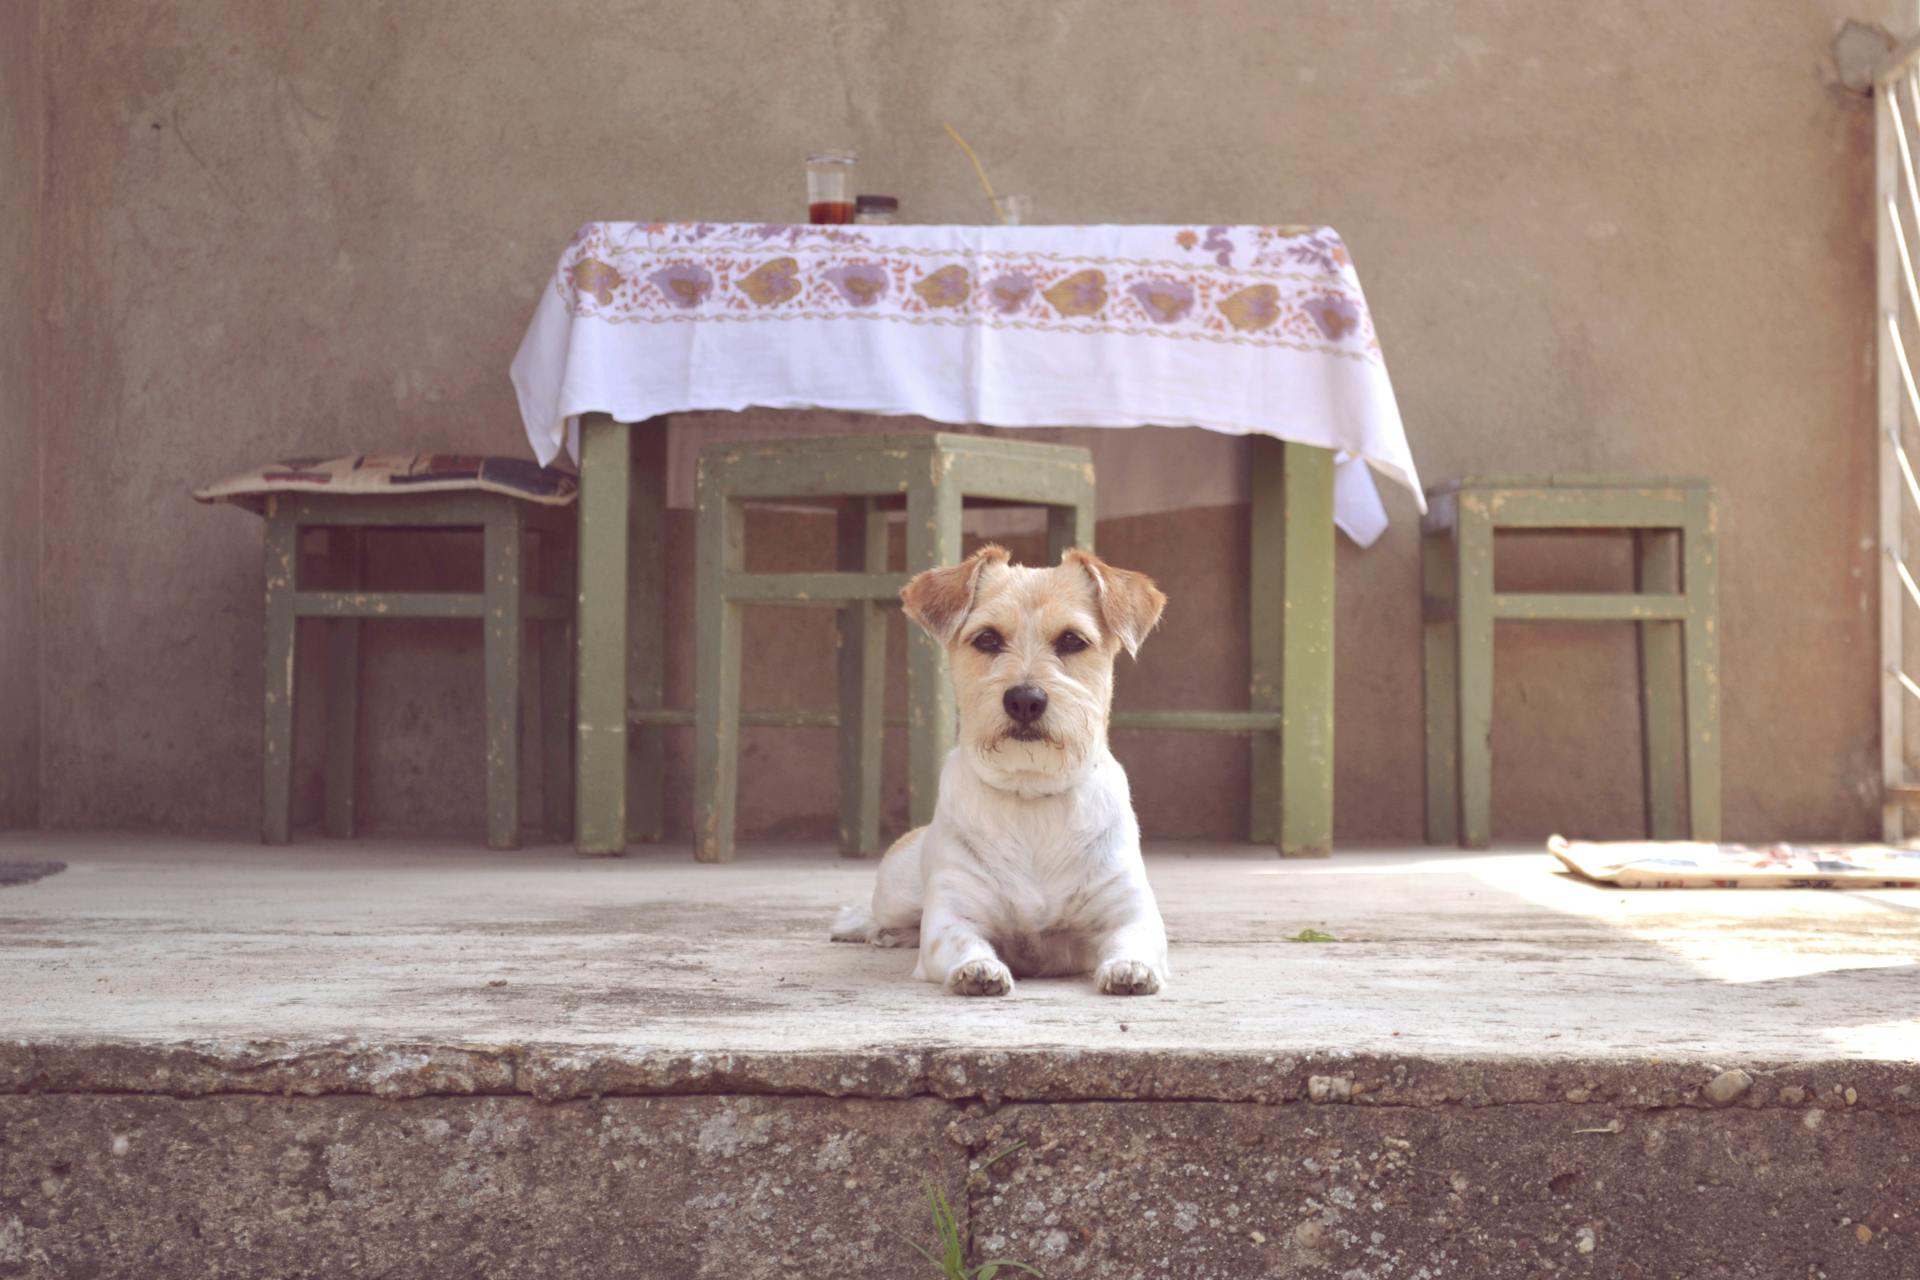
<point x="22" y="121"/>
<point x="1627" y="238"/>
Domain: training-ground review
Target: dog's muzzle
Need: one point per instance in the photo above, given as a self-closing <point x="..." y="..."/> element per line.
<point x="1025" y="704"/>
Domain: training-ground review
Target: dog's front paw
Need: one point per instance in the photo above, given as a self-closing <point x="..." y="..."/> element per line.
<point x="1127" y="978"/>
<point x="980" y="978"/>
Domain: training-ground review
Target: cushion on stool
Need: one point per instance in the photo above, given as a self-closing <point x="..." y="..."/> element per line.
<point x="393" y="474"/>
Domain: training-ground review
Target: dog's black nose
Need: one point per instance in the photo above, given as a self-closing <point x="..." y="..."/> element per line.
<point x="1025" y="702"/>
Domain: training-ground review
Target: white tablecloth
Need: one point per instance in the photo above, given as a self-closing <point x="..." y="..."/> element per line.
<point x="1238" y="330"/>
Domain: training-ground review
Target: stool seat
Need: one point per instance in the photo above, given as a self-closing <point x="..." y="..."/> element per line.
<point x="507" y="500"/>
<point x="397" y="475"/>
<point x="1675" y="606"/>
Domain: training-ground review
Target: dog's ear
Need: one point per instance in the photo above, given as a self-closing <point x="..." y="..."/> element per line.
<point x="940" y="599"/>
<point x="1130" y="604"/>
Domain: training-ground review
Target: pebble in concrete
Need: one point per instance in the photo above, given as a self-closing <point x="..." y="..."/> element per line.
<point x="1728" y="1087"/>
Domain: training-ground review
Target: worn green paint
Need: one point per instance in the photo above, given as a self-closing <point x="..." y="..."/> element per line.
<point x="503" y="608"/>
<point x="1473" y="629"/>
<point x="282" y="561"/>
<point x="1306" y="693"/>
<point x="1567" y="508"/>
<point x="933" y="539"/>
<point x="556" y="683"/>
<point x="1701" y="573"/>
<point x="862" y="549"/>
<point x="687" y="717"/>
<point x="931" y="475"/>
<point x="1570" y="606"/>
<point x="389" y="604"/>
<point x="1571" y="480"/>
<point x="395" y="511"/>
<point x="505" y="644"/>
<point x="805" y="589"/>
<point x="600" y="640"/>
<point x="1663" y="735"/>
<point x="346" y="562"/>
<point x="647" y="625"/>
<point x="1674" y="607"/>
<point x="1250" y="722"/>
<point x="1440" y="672"/>
<point x="414" y="604"/>
<point x="1266" y="628"/>
<point x="720" y="550"/>
<point x="1029" y="481"/>
<point x="1290" y="646"/>
<point x="1069" y="527"/>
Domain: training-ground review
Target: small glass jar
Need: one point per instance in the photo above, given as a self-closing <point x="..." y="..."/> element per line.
<point x="830" y="187"/>
<point x="876" y="211"/>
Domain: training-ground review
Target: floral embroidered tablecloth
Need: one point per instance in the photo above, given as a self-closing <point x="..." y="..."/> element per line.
<point x="1241" y="330"/>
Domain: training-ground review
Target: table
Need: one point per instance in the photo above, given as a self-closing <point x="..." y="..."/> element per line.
<point x="1245" y="330"/>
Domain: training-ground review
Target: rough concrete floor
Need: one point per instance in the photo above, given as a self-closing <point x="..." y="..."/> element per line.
<point x="156" y="940"/>
<point x="394" y="1058"/>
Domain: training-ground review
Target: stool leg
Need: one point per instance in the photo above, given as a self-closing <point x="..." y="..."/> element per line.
<point x="863" y="671"/>
<point x="1069" y="527"/>
<point x="933" y="539"/>
<point x="1290" y="646"/>
<point x="505" y="640"/>
<point x="346" y="554"/>
<point x="556" y="685"/>
<point x="600" y="640"/>
<point x="1702" y="573"/>
<point x="1663" y="730"/>
<point x="1266" y="587"/>
<point x="1441" y="644"/>
<point x="276" y="756"/>
<point x="646" y="627"/>
<point x="721" y="550"/>
<point x="1473" y="584"/>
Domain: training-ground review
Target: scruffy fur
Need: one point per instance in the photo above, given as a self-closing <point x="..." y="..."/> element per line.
<point x="1031" y="866"/>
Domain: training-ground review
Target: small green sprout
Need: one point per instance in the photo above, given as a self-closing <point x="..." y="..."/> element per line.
<point x="1311" y="935"/>
<point x="950" y="1262"/>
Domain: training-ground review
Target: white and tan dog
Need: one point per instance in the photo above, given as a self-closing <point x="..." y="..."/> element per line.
<point x="1031" y="865"/>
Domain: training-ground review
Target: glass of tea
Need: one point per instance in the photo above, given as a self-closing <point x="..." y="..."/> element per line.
<point x="830" y="187"/>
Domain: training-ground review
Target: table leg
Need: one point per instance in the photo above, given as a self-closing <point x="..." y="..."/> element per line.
<point x="600" y="695"/>
<point x="1291" y="646"/>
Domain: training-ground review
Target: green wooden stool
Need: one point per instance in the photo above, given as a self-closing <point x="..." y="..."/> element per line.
<point x="934" y="474"/>
<point x="504" y="498"/>
<point x="1675" y="604"/>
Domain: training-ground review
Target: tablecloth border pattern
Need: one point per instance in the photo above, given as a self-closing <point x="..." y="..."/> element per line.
<point x="625" y="273"/>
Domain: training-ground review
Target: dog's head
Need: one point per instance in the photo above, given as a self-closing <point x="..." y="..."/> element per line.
<point x="1032" y="654"/>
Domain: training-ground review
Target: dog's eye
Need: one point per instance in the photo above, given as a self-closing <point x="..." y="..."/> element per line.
<point x="987" y="641"/>
<point x="1069" y="642"/>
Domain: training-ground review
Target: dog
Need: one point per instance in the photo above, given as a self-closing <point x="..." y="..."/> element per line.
<point x="1031" y="865"/>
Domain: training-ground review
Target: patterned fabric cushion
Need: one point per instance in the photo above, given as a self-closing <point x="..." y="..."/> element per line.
<point x="388" y="474"/>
